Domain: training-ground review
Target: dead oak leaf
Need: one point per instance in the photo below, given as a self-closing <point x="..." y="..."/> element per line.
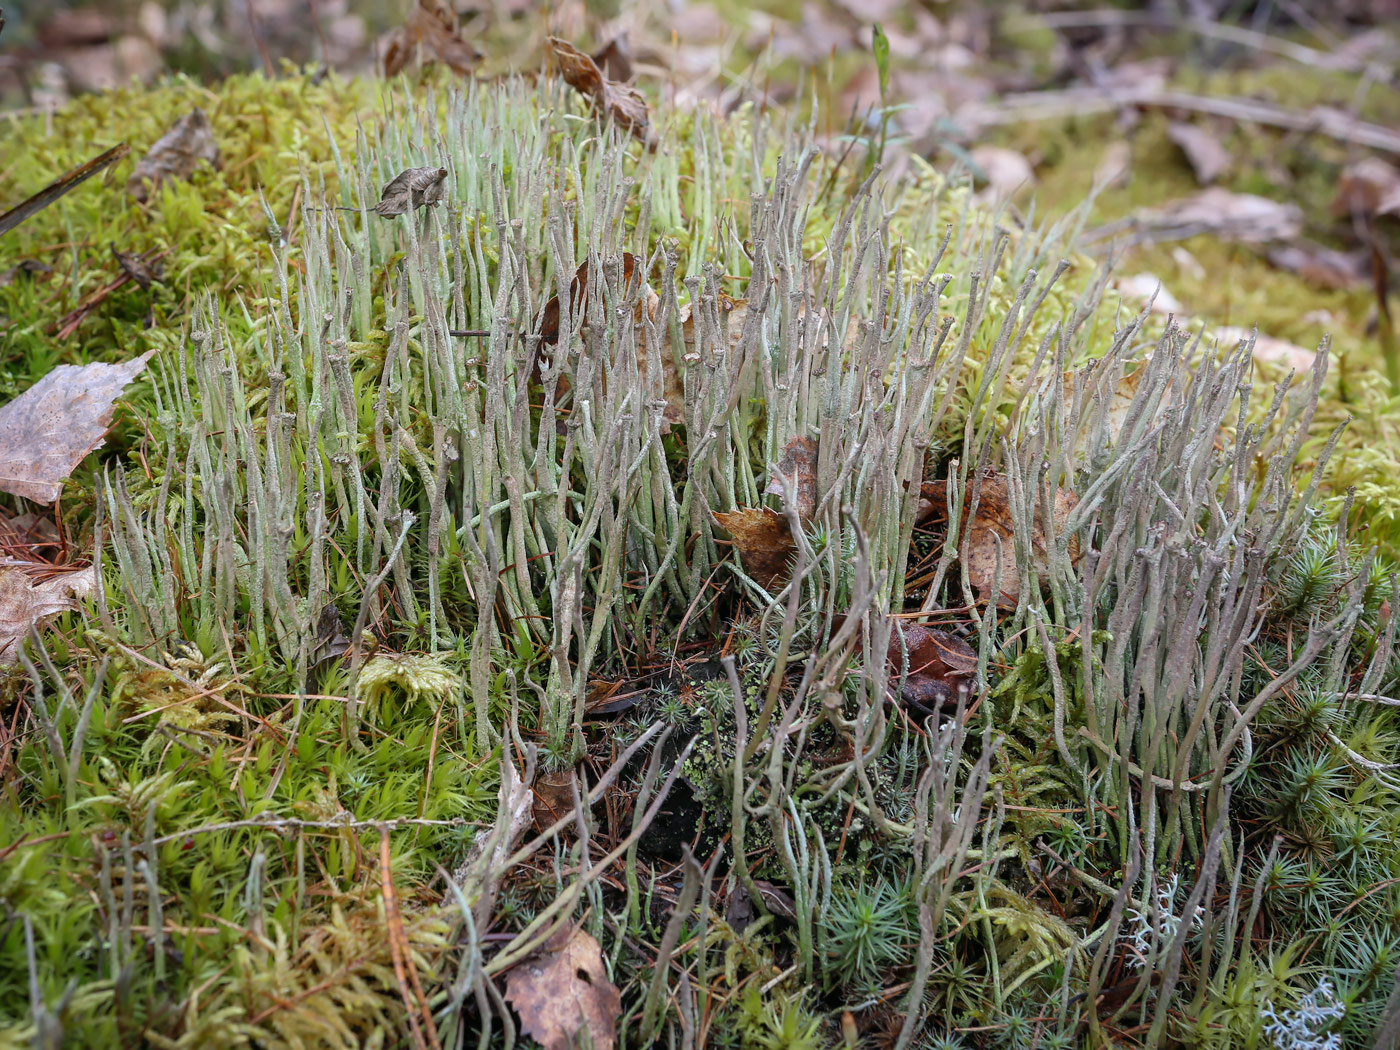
<point x="764" y="541"/>
<point x="48" y="430"/>
<point x="429" y="34"/>
<point x="564" y="990"/>
<point x="991" y="529"/>
<point x="939" y="663"/>
<point x="625" y="105"/>
<point x="411" y="189"/>
<point x="176" y="155"/>
<point x="26" y="602"/>
<point x="797" y="467"/>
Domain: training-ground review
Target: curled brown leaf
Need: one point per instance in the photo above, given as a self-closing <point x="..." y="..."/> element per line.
<point x="411" y="189"/>
<point x="764" y="541"/>
<point x="429" y="34"/>
<point x="625" y="105"/>
<point x="176" y="155"/>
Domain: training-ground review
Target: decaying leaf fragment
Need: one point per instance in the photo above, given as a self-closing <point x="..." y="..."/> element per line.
<point x="939" y="663"/>
<point x="429" y="34"/>
<point x="1207" y="157"/>
<point x="48" y="430"/>
<point x="626" y="105"/>
<point x="764" y="541"/>
<point x="176" y="155"/>
<point x="798" y="466"/>
<point x="564" y="990"/>
<point x="26" y="602"/>
<point x="992" y="527"/>
<point x="412" y="188"/>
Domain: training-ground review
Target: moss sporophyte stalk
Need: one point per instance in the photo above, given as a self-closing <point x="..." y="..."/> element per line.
<point x="409" y="644"/>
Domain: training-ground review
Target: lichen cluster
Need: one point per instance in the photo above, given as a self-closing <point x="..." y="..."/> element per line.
<point x="367" y="581"/>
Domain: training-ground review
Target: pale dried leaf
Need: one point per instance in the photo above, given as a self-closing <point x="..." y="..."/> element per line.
<point x="411" y="189"/>
<point x="1207" y="157"/>
<point x="1269" y="349"/>
<point x="176" y="155"/>
<point x="625" y="105"/>
<point x="26" y="603"/>
<point x="48" y="430"/>
<point x="1322" y="266"/>
<point x="1115" y="167"/>
<point x="1005" y="171"/>
<point x="563" y="991"/>
<point x="1368" y="187"/>
<point x="1144" y="288"/>
<point x="1228" y="215"/>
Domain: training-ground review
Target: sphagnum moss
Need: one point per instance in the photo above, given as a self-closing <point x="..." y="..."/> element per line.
<point x="197" y="804"/>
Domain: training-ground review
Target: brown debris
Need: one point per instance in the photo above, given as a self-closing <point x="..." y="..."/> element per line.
<point x="564" y="990"/>
<point x="177" y="154"/>
<point x="625" y="105"/>
<point x="429" y="34"/>
<point x="145" y="272"/>
<point x="764" y="541"/>
<point x="1321" y="266"/>
<point x="56" y="189"/>
<point x="411" y="189"/>
<point x="1369" y="187"/>
<point x="49" y="429"/>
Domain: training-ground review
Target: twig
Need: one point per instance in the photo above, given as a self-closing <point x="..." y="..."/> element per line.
<point x="399" y="950"/>
<point x="1053" y="105"/>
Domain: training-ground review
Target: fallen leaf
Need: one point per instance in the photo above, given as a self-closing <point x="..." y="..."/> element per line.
<point x="26" y="603"/>
<point x="176" y="155"/>
<point x="799" y="466"/>
<point x="429" y="34"/>
<point x="1215" y="211"/>
<point x="412" y="189"/>
<point x="48" y="430"/>
<point x="1115" y="167"/>
<point x="625" y="105"/>
<point x="615" y="58"/>
<point x="648" y="305"/>
<point x="56" y="189"/>
<point x="740" y="911"/>
<point x="939" y="664"/>
<point x="1005" y="170"/>
<point x="1269" y="349"/>
<point x="1120" y="400"/>
<point x="1369" y="187"/>
<point x="993" y="528"/>
<point x="28" y="267"/>
<point x="563" y="991"/>
<point x="1145" y="287"/>
<point x="1207" y="157"/>
<point x="1321" y="266"/>
<point x="764" y="541"/>
<point x="554" y="796"/>
<point x="331" y="641"/>
<point x="141" y="271"/>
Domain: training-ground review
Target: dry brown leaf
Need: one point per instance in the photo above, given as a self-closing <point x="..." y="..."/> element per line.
<point x="429" y="34"/>
<point x="176" y="155"/>
<point x="1368" y="187"/>
<point x="48" y="430"/>
<point x="1207" y="157"/>
<point x="26" y="603"/>
<point x="1321" y="266"/>
<point x="799" y="466"/>
<point x="411" y="189"/>
<point x="625" y="105"/>
<point x="564" y="990"/>
<point x="144" y="273"/>
<point x="993" y="527"/>
<point x="939" y="664"/>
<point x="764" y="541"/>
<point x="615" y="58"/>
